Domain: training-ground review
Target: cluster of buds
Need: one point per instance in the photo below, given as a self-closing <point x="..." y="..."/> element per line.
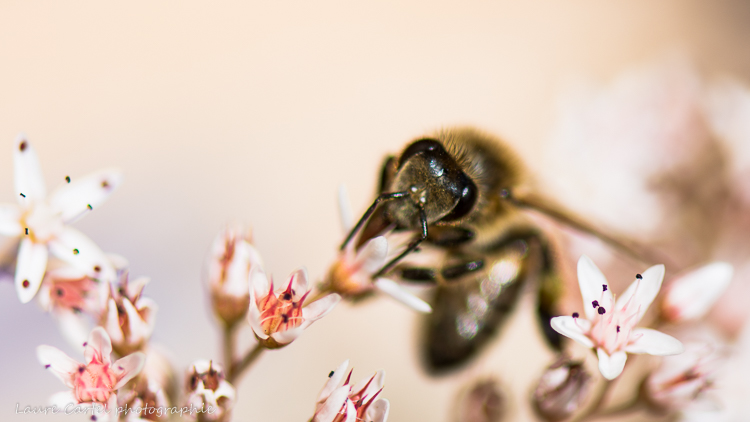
<point x="95" y="381"/>
<point x="209" y="392"/>
<point x="347" y="403"/>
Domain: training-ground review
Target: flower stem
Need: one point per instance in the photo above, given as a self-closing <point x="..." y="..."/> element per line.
<point x="597" y="403"/>
<point x="228" y="346"/>
<point x="238" y="368"/>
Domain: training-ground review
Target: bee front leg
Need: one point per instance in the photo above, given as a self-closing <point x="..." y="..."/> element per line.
<point x="414" y="244"/>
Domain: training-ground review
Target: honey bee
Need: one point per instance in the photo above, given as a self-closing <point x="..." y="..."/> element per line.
<point x="463" y="193"/>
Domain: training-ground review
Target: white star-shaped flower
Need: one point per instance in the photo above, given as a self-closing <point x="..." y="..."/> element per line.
<point x="609" y="326"/>
<point x="41" y="222"/>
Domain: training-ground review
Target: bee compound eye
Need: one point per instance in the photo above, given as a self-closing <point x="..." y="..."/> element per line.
<point x="467" y="198"/>
<point x="417" y="147"/>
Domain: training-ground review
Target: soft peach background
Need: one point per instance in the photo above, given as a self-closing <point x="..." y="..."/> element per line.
<point x="256" y="112"/>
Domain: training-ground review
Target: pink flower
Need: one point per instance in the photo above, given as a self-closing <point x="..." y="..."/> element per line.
<point x="229" y="263"/>
<point x="691" y="296"/>
<point x="278" y="317"/>
<point x="128" y="317"/>
<point x="609" y="326"/>
<point x="209" y="391"/>
<point x="349" y="403"/>
<point x="97" y="379"/>
<point x="42" y="223"/>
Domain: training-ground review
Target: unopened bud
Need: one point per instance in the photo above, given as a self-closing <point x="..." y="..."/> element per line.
<point x="481" y="402"/>
<point x="209" y="392"/>
<point x="561" y="390"/>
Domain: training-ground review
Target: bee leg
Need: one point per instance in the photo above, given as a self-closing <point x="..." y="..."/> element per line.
<point x="419" y="275"/>
<point x="448" y="274"/>
<point x="414" y="244"/>
<point x="387" y="173"/>
<point x="550" y="290"/>
<point x="381" y="198"/>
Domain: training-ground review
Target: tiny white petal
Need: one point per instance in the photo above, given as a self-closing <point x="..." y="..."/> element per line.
<point x="654" y="343"/>
<point x="332" y="405"/>
<point x="288" y="336"/>
<point x="30" y="267"/>
<point x="74" y="327"/>
<point x="89" y="256"/>
<point x="378" y="380"/>
<point x="320" y="308"/>
<point x="253" y="317"/>
<point x="378" y="412"/>
<point x="590" y="281"/>
<point x="27" y="174"/>
<point x="645" y="291"/>
<point x="63" y="399"/>
<point x="333" y="381"/>
<point x="574" y="328"/>
<point x="128" y="367"/>
<point x="372" y="255"/>
<point x="692" y="295"/>
<point x="611" y="366"/>
<point x="351" y="412"/>
<point x="299" y="282"/>
<point x="259" y="284"/>
<point x="112" y="324"/>
<point x="72" y="200"/>
<point x="392" y="289"/>
<point x="99" y="346"/>
<point x="61" y="365"/>
<point x="9" y="220"/>
<point x="139" y="329"/>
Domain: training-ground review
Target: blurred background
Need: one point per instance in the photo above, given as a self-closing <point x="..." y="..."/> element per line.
<point x="255" y="112"/>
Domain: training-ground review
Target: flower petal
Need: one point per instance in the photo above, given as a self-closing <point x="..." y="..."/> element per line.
<point x="372" y="255"/>
<point x="333" y="380"/>
<point x="378" y="412"/>
<point x="642" y="291"/>
<point x="574" y="328"/>
<point x="345" y="210"/>
<point x="299" y="282"/>
<point x="590" y="281"/>
<point x="63" y="399"/>
<point x="319" y="308"/>
<point x="611" y="366"/>
<point x="10" y="225"/>
<point x="259" y="284"/>
<point x="692" y="295"/>
<point x="61" y="365"/>
<point x="288" y="336"/>
<point x="377" y="383"/>
<point x="112" y="324"/>
<point x="73" y="326"/>
<point x="253" y="318"/>
<point x="332" y="405"/>
<point x="394" y="290"/>
<point x="128" y="367"/>
<point x="30" y="268"/>
<point x="88" y="258"/>
<point x="75" y="199"/>
<point x="27" y="174"/>
<point x="139" y="329"/>
<point x="654" y="343"/>
<point x="99" y="347"/>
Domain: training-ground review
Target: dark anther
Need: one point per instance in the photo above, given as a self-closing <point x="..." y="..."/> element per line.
<point x="601" y="310"/>
<point x="85" y="343"/>
<point x="60" y="292"/>
<point x="67" y="179"/>
<point x="618" y="328"/>
<point x="23" y="146"/>
<point x="285" y="317"/>
<point x="287" y="296"/>
<point x="595" y="303"/>
<point x="97" y="268"/>
<point x="120" y="367"/>
<point x="23" y="195"/>
<point x="604" y="287"/>
<point x="78" y="310"/>
<point x="639" y="277"/>
<point x="47" y="366"/>
<point x="27" y="231"/>
<point x="93" y="418"/>
<point x="105" y="184"/>
<point x="89" y="206"/>
<point x="25" y="284"/>
<point x="330" y="374"/>
<point x="75" y="251"/>
<point x="81" y="369"/>
<point x="575" y="315"/>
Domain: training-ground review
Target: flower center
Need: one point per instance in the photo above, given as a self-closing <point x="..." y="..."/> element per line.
<point x="94" y="382"/>
<point x="41" y="222"/>
<point x="280" y="313"/>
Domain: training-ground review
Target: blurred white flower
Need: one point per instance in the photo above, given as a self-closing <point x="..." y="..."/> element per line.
<point x="41" y="223"/>
<point x="97" y="379"/>
<point x="691" y="296"/>
<point x="229" y="263"/>
<point x="278" y="317"/>
<point x="209" y="392"/>
<point x="347" y="403"/>
<point x="128" y="317"/>
<point x="609" y="326"/>
<point x="352" y="274"/>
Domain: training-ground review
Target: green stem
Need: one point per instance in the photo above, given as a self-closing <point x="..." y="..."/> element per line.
<point x="239" y="367"/>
